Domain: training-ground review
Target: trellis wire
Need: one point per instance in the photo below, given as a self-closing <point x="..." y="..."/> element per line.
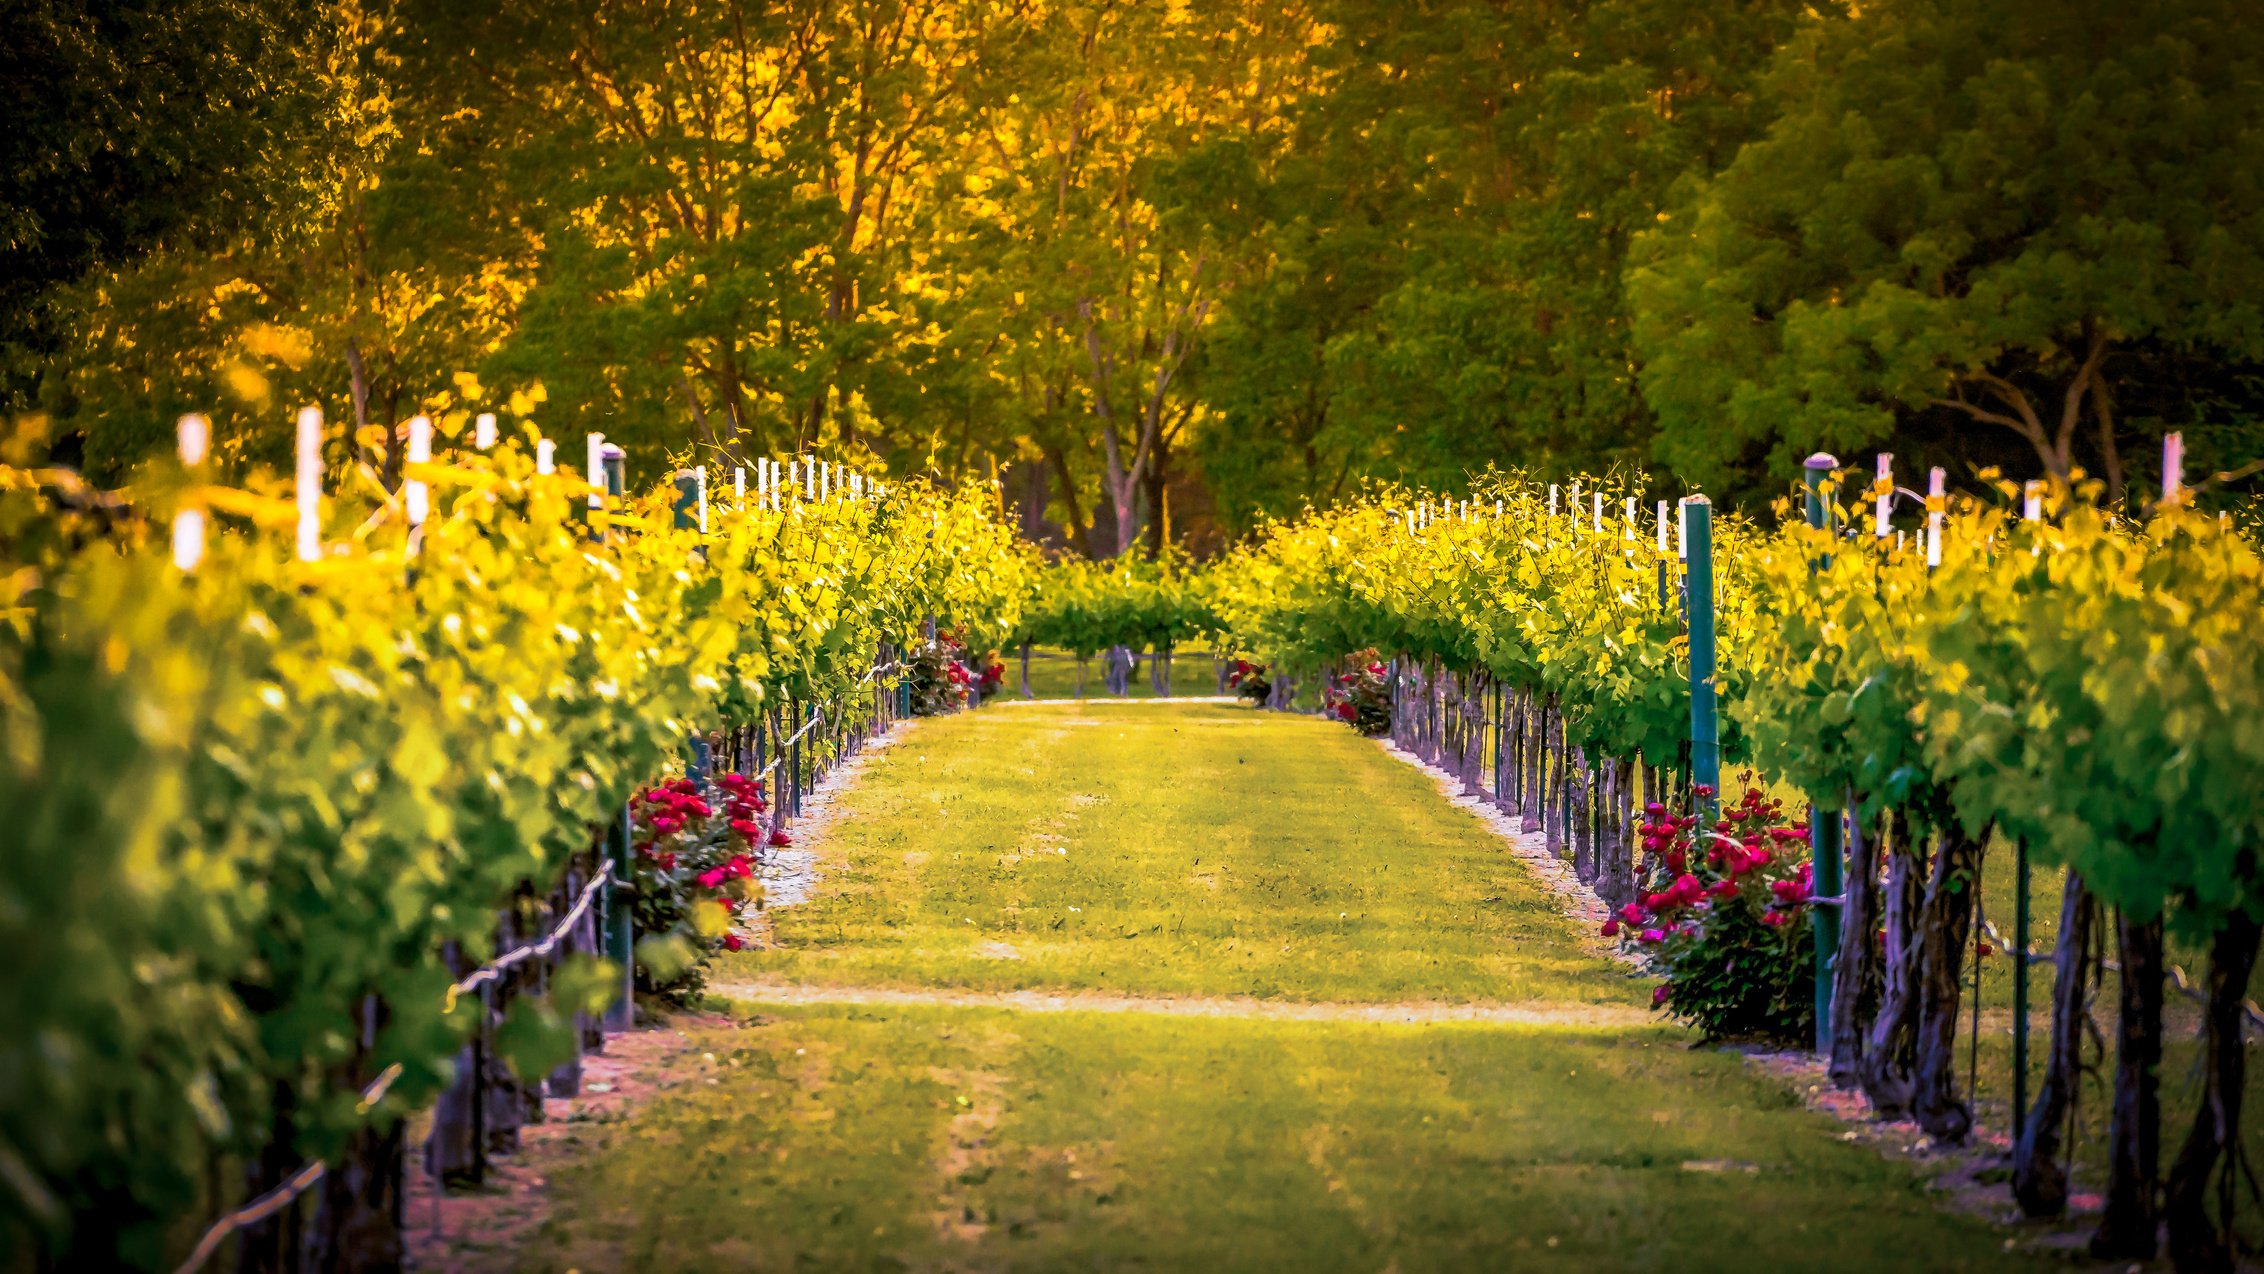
<point x="282" y="1196"/>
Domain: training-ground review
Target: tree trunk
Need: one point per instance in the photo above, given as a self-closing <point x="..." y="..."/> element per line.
<point x="2134" y="1130"/>
<point x="454" y="1148"/>
<point x="1536" y="763"/>
<point x="1855" y="972"/>
<point x="357" y="388"/>
<point x="1079" y="536"/>
<point x="1556" y="799"/>
<point x="503" y="1106"/>
<point x="1946" y="925"/>
<point x="2039" y="1179"/>
<point x="272" y="1246"/>
<point x="1577" y="829"/>
<point x="357" y="1220"/>
<point x="1889" y="1080"/>
<point x="1611" y="829"/>
<point x="1474" y="735"/>
<point x="565" y="1079"/>
<point x="2198" y="1242"/>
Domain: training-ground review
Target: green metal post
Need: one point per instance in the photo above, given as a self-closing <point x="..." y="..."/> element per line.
<point x="2019" y="954"/>
<point x="1826" y="853"/>
<point x="1705" y="727"/>
<point x="621" y="922"/>
<point x="614" y="461"/>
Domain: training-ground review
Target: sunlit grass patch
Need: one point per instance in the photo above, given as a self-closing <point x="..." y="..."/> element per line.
<point x="1204" y="849"/>
<point x="927" y="1138"/>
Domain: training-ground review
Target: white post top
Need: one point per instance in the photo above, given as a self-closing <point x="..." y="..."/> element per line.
<point x="194" y="433"/>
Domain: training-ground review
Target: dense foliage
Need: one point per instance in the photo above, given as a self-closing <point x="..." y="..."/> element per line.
<point x="1165" y="270"/>
<point x="2080" y="683"/>
<point x="250" y="804"/>
<point x="1086" y="607"/>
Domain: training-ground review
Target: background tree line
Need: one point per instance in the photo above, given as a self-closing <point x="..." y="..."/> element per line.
<point x="1162" y="268"/>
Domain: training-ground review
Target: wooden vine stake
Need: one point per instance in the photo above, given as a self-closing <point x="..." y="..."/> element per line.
<point x="195" y="436"/>
<point x="309" y="493"/>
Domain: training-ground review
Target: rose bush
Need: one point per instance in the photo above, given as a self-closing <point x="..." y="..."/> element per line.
<point x="696" y="849"/>
<point x="1248" y="680"/>
<point x="1361" y="698"/>
<point x="1725" y="928"/>
<point x="938" y="681"/>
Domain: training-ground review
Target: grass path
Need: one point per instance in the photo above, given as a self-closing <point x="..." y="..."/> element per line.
<point x="1181" y="849"/>
<point x="1127" y="986"/>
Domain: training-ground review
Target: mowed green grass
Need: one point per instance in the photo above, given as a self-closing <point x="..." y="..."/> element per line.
<point x="1211" y="850"/>
<point x="1183" y="849"/>
<point x="930" y="1138"/>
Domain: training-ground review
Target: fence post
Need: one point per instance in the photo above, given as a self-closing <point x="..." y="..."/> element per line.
<point x="689" y="512"/>
<point x="1825" y="852"/>
<point x="621" y="920"/>
<point x="2020" y="987"/>
<point x="1705" y="729"/>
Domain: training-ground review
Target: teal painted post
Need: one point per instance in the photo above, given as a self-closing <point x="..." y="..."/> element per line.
<point x="1826" y="853"/>
<point x="2019" y="955"/>
<point x="686" y="514"/>
<point x="614" y="461"/>
<point x="689" y="507"/>
<point x="621" y="921"/>
<point x="1705" y="727"/>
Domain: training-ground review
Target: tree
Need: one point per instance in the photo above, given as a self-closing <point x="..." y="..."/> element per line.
<point x="1994" y="216"/>
<point x="1449" y="235"/>
<point x="373" y="295"/>
<point x="733" y="201"/>
<point x="133" y="126"/>
<point x="1121" y="212"/>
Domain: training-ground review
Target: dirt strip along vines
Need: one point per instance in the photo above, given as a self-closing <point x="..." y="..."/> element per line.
<point x="266" y="814"/>
<point x="2082" y="684"/>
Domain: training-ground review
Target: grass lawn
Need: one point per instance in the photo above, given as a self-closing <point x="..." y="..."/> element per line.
<point x="1203" y="850"/>
<point x="1196" y="849"/>
<point x="968" y="1139"/>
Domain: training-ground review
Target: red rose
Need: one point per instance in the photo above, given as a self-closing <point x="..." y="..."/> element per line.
<point x="732" y="942"/>
<point x="1611" y="928"/>
<point x="713" y="878"/>
<point x="780" y="840"/>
